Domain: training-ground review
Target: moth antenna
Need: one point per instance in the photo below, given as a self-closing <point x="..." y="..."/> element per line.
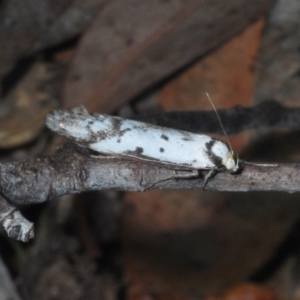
<point x="258" y="164"/>
<point x="223" y="129"/>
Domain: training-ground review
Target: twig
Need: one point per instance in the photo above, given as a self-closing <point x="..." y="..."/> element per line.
<point x="263" y="115"/>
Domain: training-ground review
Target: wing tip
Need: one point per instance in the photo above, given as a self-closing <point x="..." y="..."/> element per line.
<point x="59" y="117"/>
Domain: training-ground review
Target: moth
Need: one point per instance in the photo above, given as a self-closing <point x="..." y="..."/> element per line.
<point x="111" y="135"/>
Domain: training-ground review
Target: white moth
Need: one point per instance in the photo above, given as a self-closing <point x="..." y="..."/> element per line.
<point x="120" y="137"/>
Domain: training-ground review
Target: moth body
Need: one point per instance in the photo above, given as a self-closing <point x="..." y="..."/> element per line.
<point x="126" y="138"/>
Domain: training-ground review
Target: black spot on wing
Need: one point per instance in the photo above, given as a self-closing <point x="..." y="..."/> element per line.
<point x="161" y="149"/>
<point x="209" y="145"/>
<point x="164" y="137"/>
<point x="122" y="132"/>
<point x="116" y="123"/>
<point x="139" y="151"/>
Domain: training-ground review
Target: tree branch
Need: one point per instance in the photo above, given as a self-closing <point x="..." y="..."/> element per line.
<point x="72" y="169"/>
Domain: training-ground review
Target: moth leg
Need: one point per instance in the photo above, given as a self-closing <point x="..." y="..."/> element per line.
<point x="209" y="175"/>
<point x="191" y="174"/>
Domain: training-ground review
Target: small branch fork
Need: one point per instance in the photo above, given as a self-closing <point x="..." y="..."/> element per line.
<point x="72" y="169"/>
<point x="12" y="221"/>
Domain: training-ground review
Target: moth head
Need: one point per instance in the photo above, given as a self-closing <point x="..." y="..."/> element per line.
<point x="230" y="163"/>
<point x="221" y="156"/>
<point x="227" y="160"/>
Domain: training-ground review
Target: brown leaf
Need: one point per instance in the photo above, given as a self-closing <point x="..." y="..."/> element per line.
<point x="134" y="44"/>
<point x="24" y="110"/>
